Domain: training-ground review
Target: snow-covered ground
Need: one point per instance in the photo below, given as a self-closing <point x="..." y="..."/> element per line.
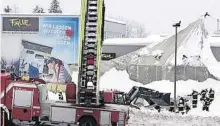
<point x="115" y="79"/>
<point x="146" y="117"/>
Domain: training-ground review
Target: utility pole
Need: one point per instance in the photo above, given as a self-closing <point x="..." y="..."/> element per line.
<point x="176" y="25"/>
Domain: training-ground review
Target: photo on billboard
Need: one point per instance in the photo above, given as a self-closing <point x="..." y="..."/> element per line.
<point x="40" y="47"/>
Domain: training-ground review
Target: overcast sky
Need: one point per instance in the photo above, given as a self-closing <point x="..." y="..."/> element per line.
<point x="157" y="15"/>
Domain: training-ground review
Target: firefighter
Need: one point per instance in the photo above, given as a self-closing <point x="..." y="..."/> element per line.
<point x="171" y="106"/>
<point x="181" y="105"/>
<point x="194" y="98"/>
<point x="25" y="76"/>
<point x="203" y="94"/>
<point x="158" y="108"/>
<point x="206" y="104"/>
<point x="211" y="94"/>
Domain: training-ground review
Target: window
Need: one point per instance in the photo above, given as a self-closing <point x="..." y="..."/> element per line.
<point x="29" y="52"/>
<point x="37" y="56"/>
<point x="20" y="100"/>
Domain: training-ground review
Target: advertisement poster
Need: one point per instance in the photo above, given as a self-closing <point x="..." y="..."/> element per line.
<point x="40" y="47"/>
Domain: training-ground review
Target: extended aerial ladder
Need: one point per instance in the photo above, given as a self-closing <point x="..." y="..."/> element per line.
<point x="91" y="38"/>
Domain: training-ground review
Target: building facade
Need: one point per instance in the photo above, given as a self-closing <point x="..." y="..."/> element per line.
<point x="114" y="29"/>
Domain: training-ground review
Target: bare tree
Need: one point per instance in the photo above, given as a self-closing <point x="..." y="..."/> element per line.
<point x="129" y="31"/>
<point x="133" y="29"/>
<point x="55" y="7"/>
<point x="15" y="9"/>
<point x="38" y="9"/>
<point x="3" y="63"/>
<point x="141" y="31"/>
<point x="7" y="9"/>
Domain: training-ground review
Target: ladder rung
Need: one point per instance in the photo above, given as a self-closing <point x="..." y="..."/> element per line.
<point x="83" y="92"/>
<point x="91" y="34"/>
<point x="93" y="3"/>
<point x="90" y="73"/>
<point x="93" y="9"/>
<point x="93" y="37"/>
<point x="92" y="18"/>
<point x="91" y="24"/>
<point x="91" y="28"/>
<point x="92" y="15"/>
<point x="90" y="67"/>
<point x="91" y="45"/>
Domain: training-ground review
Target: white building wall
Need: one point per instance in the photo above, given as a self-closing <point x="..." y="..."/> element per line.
<point x="114" y="29"/>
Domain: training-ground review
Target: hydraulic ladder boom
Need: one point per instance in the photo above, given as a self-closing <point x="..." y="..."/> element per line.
<point x="91" y="38"/>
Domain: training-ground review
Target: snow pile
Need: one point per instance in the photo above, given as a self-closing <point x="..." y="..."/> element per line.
<point x="119" y="80"/>
<point x="115" y="79"/>
<point x="135" y="41"/>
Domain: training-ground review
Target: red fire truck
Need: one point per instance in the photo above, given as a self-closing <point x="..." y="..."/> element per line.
<point x="23" y="100"/>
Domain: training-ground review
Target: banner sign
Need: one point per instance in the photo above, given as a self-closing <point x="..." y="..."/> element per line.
<point x="108" y="56"/>
<point x="21" y="24"/>
<point x="52" y="47"/>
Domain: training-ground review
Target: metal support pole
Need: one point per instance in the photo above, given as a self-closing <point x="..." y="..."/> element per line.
<point x="176" y="26"/>
<point x="175" y="101"/>
<point x="217" y="25"/>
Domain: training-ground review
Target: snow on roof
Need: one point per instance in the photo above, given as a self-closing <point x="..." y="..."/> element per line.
<point x="135" y="41"/>
<point x="114" y="20"/>
<point x="215" y="44"/>
<point x="214" y="41"/>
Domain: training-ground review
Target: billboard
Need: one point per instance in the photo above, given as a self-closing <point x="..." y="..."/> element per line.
<point x="40" y="46"/>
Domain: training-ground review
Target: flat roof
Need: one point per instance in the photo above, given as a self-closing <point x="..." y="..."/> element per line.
<point x="56" y="14"/>
<point x="135" y="41"/>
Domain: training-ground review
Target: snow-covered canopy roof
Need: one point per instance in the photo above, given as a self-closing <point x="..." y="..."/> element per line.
<point x="114" y="20"/>
<point x="214" y="41"/>
<point x="135" y="41"/>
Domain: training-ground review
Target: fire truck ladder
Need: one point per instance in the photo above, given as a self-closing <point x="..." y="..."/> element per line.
<point x="89" y="59"/>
